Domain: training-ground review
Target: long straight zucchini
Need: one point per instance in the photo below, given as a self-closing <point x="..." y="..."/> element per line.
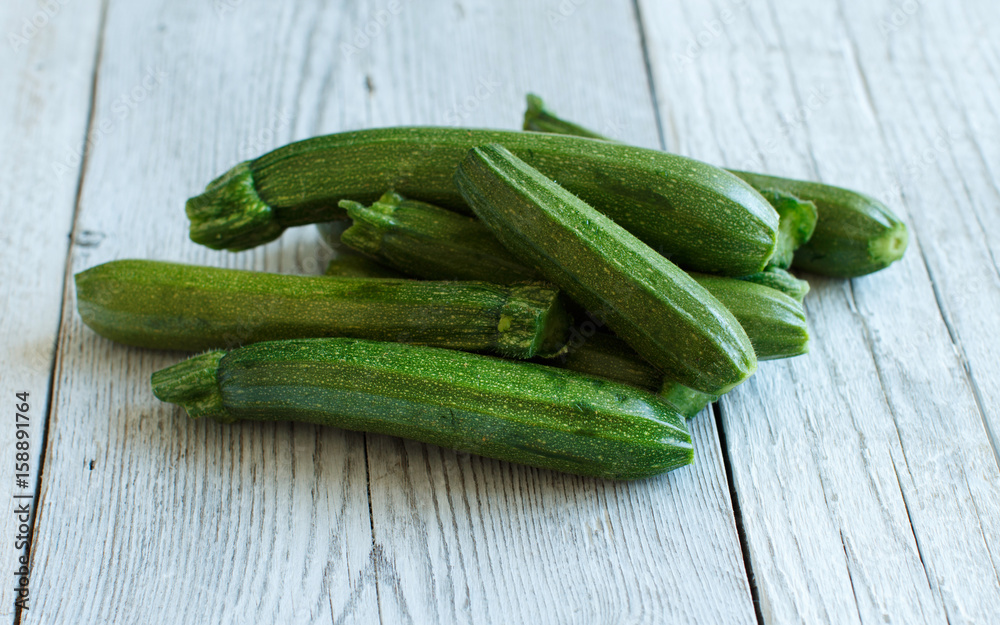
<point x="518" y="412"/>
<point x="173" y="306"/>
<point x="698" y="215"/>
<point x="430" y="242"/>
<point x="647" y="300"/>
<point x="854" y="235"/>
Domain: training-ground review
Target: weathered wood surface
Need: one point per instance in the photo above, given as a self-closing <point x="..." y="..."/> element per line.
<point x="865" y="473"/>
<point x="48" y="56"/>
<point x="149" y="517"/>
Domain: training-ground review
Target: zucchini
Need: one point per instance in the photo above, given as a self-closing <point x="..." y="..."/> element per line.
<point x="607" y="356"/>
<point x="854" y="235"/>
<point x="354" y="266"/>
<point x="514" y="411"/>
<point x="698" y="215"/>
<point x="775" y="323"/>
<point x="173" y="306"/>
<point x="796" y="224"/>
<point x="781" y="280"/>
<point x="429" y="242"/>
<point x="423" y="240"/>
<point x="644" y="298"/>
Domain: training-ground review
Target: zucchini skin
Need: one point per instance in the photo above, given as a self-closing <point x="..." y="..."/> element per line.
<point x="513" y="411"/>
<point x="424" y="240"/>
<point x="173" y="306"/>
<point x="430" y="242"/>
<point x="781" y="280"/>
<point x="607" y="356"/>
<point x="854" y="234"/>
<point x="647" y="300"/>
<point x="698" y="215"/>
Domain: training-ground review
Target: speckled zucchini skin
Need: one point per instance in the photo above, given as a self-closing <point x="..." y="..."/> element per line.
<point x="698" y="215"/>
<point x="518" y="412"/>
<point x="430" y="242"/>
<point x="645" y="299"/>
<point x="782" y="281"/>
<point x="854" y="234"/>
<point x="187" y="307"/>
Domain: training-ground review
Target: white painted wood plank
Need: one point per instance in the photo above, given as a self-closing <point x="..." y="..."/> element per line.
<point x="834" y="454"/>
<point x="462" y="539"/>
<point x="146" y="516"/>
<point x="48" y="57"/>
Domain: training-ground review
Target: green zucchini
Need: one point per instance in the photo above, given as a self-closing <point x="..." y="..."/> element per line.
<point x="173" y="306"/>
<point x="514" y="411"/>
<point x="854" y="235"/>
<point x="423" y="240"/>
<point x="696" y="214"/>
<point x="796" y="224"/>
<point x="429" y="242"/>
<point x="354" y="266"/>
<point x="644" y="298"/>
<point x="607" y="356"/>
<point x="781" y="280"/>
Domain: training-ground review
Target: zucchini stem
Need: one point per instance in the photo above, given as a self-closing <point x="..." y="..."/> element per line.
<point x="194" y="385"/>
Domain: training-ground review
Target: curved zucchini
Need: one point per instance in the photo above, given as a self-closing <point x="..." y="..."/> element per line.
<point x="854" y="235"/>
<point x="647" y="300"/>
<point x="518" y="412"/>
<point x="696" y="214"/>
<point x="173" y="306"/>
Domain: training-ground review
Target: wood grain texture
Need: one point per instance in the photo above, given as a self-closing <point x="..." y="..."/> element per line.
<point x="149" y="517"/>
<point x="864" y="471"/>
<point x="48" y="56"/>
<point x="145" y="516"/>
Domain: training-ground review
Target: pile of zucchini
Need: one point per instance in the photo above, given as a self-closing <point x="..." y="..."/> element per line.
<point x="560" y="301"/>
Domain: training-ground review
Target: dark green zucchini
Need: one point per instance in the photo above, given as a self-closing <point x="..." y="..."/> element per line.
<point x="698" y="215"/>
<point x="781" y="280"/>
<point x="423" y="240"/>
<point x="796" y="223"/>
<point x="854" y="235"/>
<point x="519" y="412"/>
<point x="644" y="298"/>
<point x="172" y="306"/>
<point x="429" y="242"/>
<point x="606" y="356"/>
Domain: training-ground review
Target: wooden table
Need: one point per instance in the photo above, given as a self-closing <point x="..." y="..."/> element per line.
<point x="857" y="484"/>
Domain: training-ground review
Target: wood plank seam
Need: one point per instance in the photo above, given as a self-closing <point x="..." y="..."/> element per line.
<point x="651" y="84"/>
<point x="734" y="502"/>
<point x="38" y="501"/>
